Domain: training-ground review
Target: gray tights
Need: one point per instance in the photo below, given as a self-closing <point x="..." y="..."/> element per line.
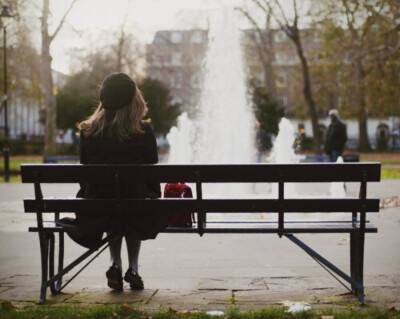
<point x="133" y="247"/>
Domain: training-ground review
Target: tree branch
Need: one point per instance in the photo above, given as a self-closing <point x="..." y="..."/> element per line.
<point x="62" y="20"/>
<point x="296" y="16"/>
<point x="259" y="32"/>
<point x="258" y="3"/>
<point x="272" y="13"/>
<point x="282" y="13"/>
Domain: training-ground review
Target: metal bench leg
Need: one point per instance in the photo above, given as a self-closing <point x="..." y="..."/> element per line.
<point x="357" y="263"/>
<point x="353" y="261"/>
<point x="44" y="252"/>
<point x="51" y="263"/>
<point x="60" y="259"/>
<point x="360" y="265"/>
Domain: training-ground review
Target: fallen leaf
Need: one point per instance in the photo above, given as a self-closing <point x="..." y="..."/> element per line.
<point x="126" y="308"/>
<point x="6" y="305"/>
<point x="172" y="310"/>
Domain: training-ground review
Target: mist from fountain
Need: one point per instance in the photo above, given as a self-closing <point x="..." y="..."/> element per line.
<point x="338" y="190"/>
<point x="283" y="153"/>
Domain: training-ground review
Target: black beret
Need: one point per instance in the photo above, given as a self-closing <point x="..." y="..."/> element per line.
<point x="118" y="90"/>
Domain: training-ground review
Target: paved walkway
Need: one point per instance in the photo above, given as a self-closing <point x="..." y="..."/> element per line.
<point x="184" y="271"/>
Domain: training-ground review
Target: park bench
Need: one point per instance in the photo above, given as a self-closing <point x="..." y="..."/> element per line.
<point x="355" y="225"/>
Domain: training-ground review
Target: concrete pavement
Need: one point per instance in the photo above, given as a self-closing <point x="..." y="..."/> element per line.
<point x="184" y="271"/>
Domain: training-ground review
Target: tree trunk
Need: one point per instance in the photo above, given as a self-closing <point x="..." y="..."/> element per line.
<point x="308" y="94"/>
<point x="267" y="63"/>
<point x="49" y="99"/>
<point x="120" y="48"/>
<point x="359" y="102"/>
<point x="269" y="81"/>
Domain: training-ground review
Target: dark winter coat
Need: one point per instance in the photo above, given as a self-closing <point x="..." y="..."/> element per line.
<point x="336" y="137"/>
<point x="140" y="149"/>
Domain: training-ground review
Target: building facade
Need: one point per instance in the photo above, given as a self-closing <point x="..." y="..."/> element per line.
<point x="175" y="58"/>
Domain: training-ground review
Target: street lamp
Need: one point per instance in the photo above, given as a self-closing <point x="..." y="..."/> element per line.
<point x="4" y="15"/>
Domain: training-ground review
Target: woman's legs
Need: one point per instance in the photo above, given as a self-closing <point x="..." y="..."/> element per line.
<point x="133" y="247"/>
<point x="131" y="275"/>
<point x="114" y="273"/>
<point x="115" y="252"/>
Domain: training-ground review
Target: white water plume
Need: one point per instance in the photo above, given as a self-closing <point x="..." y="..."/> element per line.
<point x="223" y="130"/>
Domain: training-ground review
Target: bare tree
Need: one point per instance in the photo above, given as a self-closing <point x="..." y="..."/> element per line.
<point x="47" y="76"/>
<point x="264" y="45"/>
<point x="291" y="29"/>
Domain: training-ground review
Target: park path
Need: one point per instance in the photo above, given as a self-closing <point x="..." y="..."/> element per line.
<point x="184" y="271"/>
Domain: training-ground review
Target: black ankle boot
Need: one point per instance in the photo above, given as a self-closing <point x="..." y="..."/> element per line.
<point x="134" y="279"/>
<point x="114" y="277"/>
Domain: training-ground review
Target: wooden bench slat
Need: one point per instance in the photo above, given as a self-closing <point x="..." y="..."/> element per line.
<point x="252" y="173"/>
<point x="258" y="228"/>
<point x="208" y="205"/>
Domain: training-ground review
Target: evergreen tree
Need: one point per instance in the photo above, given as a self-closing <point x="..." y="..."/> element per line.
<point x="162" y="112"/>
<point x="268" y="114"/>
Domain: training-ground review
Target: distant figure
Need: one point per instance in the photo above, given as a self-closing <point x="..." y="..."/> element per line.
<point x="336" y="136"/>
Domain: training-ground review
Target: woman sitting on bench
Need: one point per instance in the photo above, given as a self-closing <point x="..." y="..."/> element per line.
<point x="117" y="134"/>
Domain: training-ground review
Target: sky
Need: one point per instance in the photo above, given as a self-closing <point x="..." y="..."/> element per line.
<point x="144" y="17"/>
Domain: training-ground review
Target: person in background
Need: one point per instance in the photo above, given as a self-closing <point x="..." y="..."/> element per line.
<point x="336" y="136"/>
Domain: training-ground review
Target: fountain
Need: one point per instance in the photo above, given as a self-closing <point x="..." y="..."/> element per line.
<point x="223" y="130"/>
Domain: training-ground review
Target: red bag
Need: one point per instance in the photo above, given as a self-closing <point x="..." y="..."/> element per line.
<point x="179" y="190"/>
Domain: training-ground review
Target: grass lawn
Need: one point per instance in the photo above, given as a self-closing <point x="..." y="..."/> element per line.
<point x="383" y="158"/>
<point x="16" y="161"/>
<point x="8" y="311"/>
<point x="390" y="172"/>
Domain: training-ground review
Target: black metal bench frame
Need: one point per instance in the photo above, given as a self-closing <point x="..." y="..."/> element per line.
<point x="356" y="226"/>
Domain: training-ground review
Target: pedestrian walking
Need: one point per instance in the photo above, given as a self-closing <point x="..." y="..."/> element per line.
<point x="336" y="136"/>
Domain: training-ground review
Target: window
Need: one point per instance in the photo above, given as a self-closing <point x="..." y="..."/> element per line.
<point x="177" y="80"/>
<point x="197" y="37"/>
<point x="176" y="37"/>
<point x="155" y="59"/>
<point x="176" y="100"/>
<point x="280" y="57"/>
<point x="317" y="38"/>
<point x="281" y="79"/>
<point x="195" y="80"/>
<point x="176" y="58"/>
<point x="279" y="36"/>
<point x="156" y="75"/>
<point x="283" y="100"/>
<point x="259" y="76"/>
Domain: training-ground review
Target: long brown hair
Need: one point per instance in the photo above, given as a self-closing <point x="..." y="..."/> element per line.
<point x="120" y="124"/>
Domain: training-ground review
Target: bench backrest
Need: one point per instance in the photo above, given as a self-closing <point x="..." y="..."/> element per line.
<point x="199" y="174"/>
